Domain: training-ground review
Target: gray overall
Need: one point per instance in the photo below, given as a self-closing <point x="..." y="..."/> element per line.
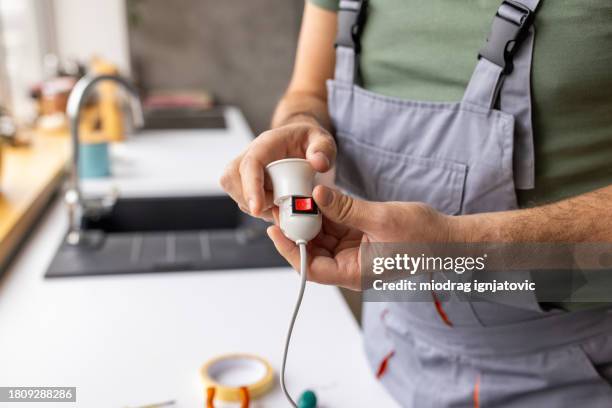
<point x="461" y="158"/>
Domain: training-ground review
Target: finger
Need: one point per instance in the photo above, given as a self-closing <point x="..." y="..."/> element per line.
<point x="267" y="216"/>
<point x="268" y="201"/>
<point x="276" y="215"/>
<point x="268" y="147"/>
<point x="321" y="268"/>
<point x="319" y="243"/>
<point x="243" y="209"/>
<point x="323" y="240"/>
<point x="324" y="270"/>
<point x="320" y="150"/>
<point x="319" y="251"/>
<point x="234" y="190"/>
<point x="345" y="210"/>
<point x="252" y="178"/>
<point x="230" y="182"/>
<point x="334" y="229"/>
<point x="285" y="246"/>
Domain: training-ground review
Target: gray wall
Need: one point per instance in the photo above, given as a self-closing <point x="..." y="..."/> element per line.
<point x="240" y="50"/>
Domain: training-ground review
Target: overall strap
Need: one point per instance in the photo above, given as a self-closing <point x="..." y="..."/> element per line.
<point x="503" y="77"/>
<point x="351" y="19"/>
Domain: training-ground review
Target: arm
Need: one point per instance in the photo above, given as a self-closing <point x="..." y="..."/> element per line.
<point x="348" y="222"/>
<point x="306" y="96"/>
<point x="584" y="218"/>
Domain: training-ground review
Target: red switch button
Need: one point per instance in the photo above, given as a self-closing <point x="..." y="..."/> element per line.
<point x="303" y="204"/>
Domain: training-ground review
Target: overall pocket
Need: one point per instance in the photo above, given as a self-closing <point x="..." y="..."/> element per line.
<point x="382" y="175"/>
<point x="456" y="157"/>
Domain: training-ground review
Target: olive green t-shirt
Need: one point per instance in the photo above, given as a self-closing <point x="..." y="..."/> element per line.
<point x="427" y="50"/>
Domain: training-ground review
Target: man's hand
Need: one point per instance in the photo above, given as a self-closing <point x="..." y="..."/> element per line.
<point x="347" y="222"/>
<point x="244" y="178"/>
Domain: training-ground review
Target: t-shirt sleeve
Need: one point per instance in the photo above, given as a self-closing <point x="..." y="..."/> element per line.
<point x="331" y="5"/>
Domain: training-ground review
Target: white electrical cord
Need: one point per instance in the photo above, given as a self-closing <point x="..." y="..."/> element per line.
<point x="303" y="270"/>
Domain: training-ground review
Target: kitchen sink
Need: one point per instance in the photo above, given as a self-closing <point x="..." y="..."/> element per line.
<point x="153" y="214"/>
<point x="166" y="234"/>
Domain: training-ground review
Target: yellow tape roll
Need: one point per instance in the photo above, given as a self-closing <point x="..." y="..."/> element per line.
<point x="226" y="374"/>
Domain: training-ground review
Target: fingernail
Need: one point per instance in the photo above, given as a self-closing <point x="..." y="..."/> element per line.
<point x="251" y="205"/>
<point x="327" y="198"/>
<point x="269" y="231"/>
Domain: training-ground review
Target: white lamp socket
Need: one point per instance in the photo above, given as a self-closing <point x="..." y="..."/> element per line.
<point x="293" y="182"/>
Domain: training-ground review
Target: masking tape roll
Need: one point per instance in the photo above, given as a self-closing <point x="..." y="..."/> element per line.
<point x="255" y="371"/>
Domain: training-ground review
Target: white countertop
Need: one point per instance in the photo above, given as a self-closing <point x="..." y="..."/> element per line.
<point x="136" y="339"/>
<point x="181" y="162"/>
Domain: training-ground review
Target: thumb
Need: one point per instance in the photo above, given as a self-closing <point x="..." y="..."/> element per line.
<point x="321" y="150"/>
<point x="343" y="209"/>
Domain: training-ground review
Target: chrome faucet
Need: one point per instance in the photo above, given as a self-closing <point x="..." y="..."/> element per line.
<point x="73" y="198"/>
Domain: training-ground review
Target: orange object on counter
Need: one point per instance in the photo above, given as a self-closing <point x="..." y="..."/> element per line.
<point x="108" y="106"/>
<point x="245" y="399"/>
<point x="210" y="397"/>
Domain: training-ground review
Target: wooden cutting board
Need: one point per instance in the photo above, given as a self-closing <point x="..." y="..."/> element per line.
<point x="28" y="178"/>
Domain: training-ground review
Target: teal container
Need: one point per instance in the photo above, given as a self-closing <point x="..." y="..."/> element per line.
<point x="94" y="160"/>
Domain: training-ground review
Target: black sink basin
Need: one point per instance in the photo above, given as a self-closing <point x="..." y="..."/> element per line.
<point x="140" y="235"/>
<point x="168" y="214"/>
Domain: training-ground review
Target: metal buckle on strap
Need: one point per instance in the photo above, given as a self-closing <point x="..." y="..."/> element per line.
<point x="351" y="19"/>
<point x="510" y="26"/>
